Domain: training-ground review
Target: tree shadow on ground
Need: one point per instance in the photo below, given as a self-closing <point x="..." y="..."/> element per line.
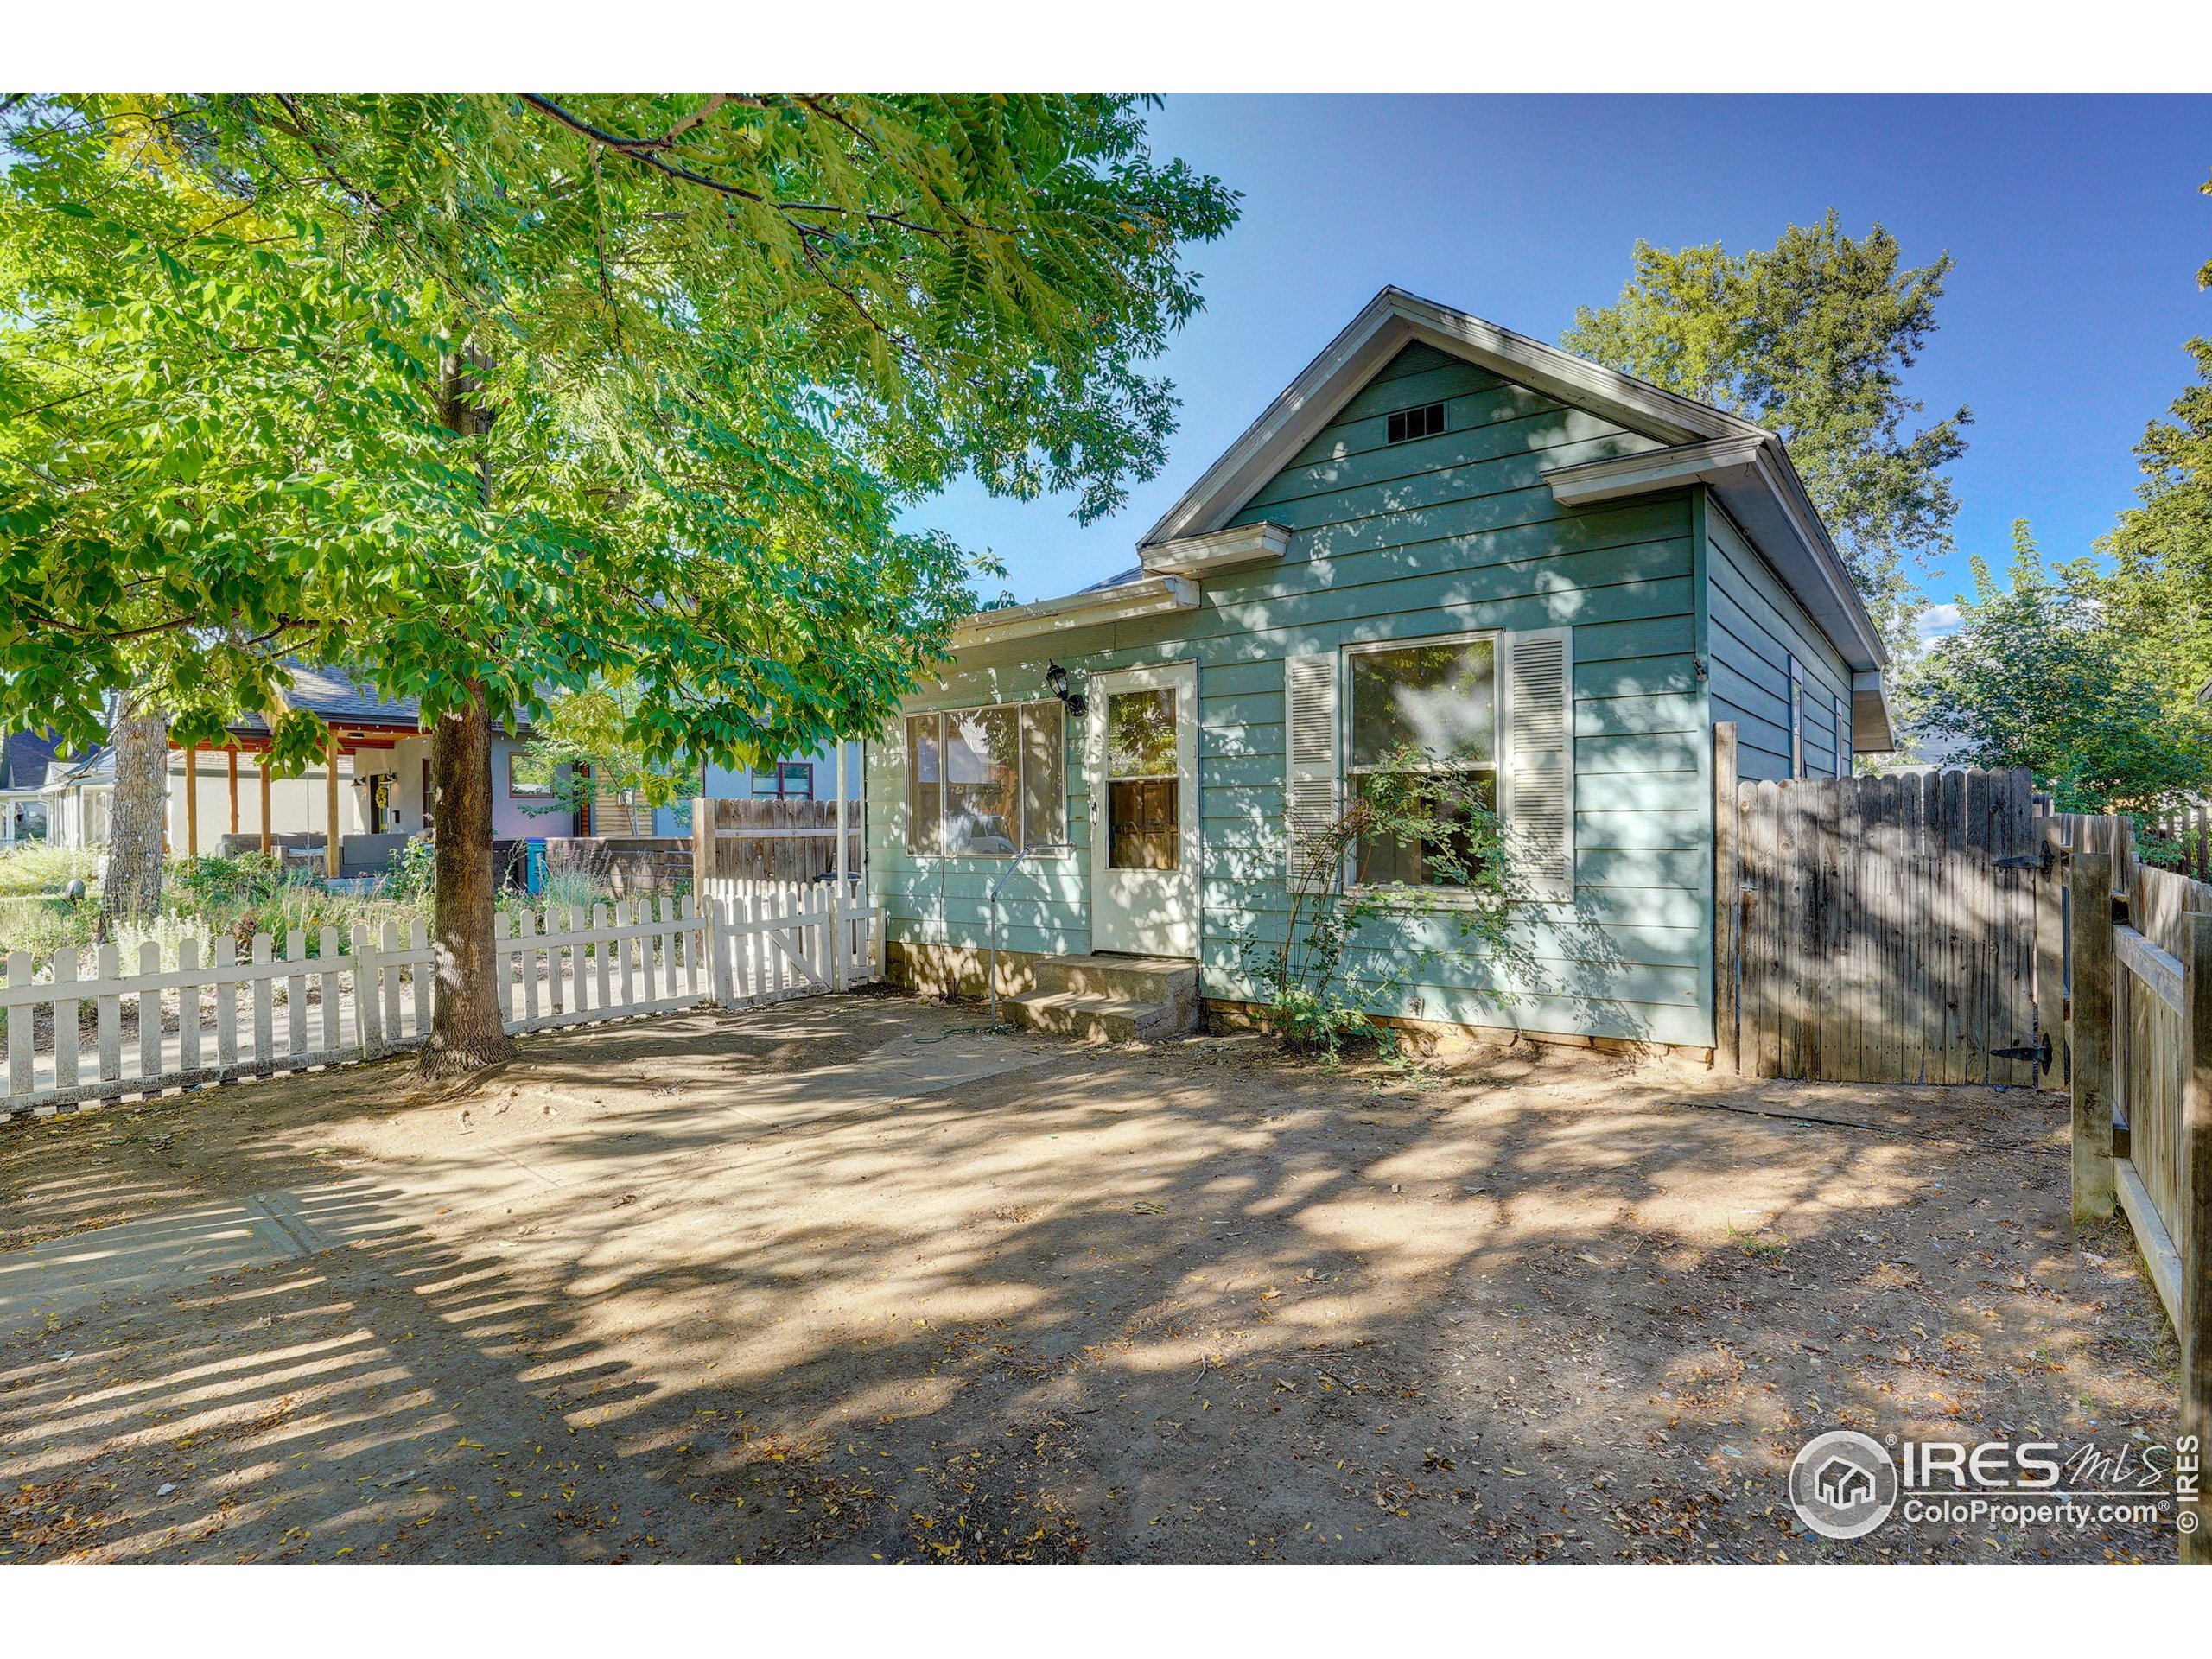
<point x="712" y="1288"/>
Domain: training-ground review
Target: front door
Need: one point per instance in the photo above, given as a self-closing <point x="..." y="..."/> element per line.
<point x="1144" y="810"/>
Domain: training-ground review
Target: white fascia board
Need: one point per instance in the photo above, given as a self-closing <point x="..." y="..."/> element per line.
<point x="1751" y="478"/>
<point x="1870" y="730"/>
<point x="1148" y="596"/>
<point x="1233" y="549"/>
<point x="1589" y="482"/>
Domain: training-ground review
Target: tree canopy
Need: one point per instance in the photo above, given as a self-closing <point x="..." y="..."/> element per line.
<point x="491" y="398"/>
<point x="486" y="395"/>
<point x="2034" y="676"/>
<point x="1810" y="339"/>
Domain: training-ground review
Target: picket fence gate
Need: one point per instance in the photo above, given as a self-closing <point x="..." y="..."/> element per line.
<point x="331" y="998"/>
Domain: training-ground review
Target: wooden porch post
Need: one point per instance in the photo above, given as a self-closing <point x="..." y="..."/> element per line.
<point x="2194" y="1240"/>
<point x="268" y="828"/>
<point x="2089" y="1035"/>
<point x="1727" y="898"/>
<point x="232" y="753"/>
<point x="331" y="863"/>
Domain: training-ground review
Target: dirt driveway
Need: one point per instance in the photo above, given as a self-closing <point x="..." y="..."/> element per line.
<point x="853" y="1279"/>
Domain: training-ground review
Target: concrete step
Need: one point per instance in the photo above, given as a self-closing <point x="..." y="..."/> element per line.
<point x="1137" y="979"/>
<point x="1094" y="1018"/>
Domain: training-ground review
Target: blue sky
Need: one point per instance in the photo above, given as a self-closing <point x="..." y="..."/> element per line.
<point x="2076" y="223"/>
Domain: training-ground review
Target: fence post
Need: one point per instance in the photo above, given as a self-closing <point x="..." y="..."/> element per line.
<point x="1727" y="897"/>
<point x="2088" y="1035"/>
<point x="2194" y="1243"/>
<point x="703" y="842"/>
<point x="2051" y="950"/>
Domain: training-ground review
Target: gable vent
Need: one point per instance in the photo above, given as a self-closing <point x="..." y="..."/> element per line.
<point x="1407" y="424"/>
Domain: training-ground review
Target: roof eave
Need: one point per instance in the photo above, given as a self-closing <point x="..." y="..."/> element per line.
<point x="1148" y="596"/>
<point x="1750" y="474"/>
<point x="1872" y="730"/>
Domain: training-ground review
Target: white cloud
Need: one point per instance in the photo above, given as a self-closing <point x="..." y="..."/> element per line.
<point x="1936" y="621"/>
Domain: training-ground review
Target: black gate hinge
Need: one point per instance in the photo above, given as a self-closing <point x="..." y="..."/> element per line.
<point x="2040" y="1052"/>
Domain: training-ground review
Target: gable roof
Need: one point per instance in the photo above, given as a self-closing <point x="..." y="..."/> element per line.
<point x="25" y="757"/>
<point x="1745" y="465"/>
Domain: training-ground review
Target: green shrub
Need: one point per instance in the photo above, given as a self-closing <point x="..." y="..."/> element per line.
<point x="1314" y="1004"/>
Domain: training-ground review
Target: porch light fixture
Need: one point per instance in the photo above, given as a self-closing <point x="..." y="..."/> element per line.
<point x="1056" y="682"/>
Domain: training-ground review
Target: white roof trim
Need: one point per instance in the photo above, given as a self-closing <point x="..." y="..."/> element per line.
<point x="1753" y="480"/>
<point x="1126" y="601"/>
<point x="1870" y="730"/>
<point x="1224" y="549"/>
<point x="1591" y="482"/>
<point x="1394" y="319"/>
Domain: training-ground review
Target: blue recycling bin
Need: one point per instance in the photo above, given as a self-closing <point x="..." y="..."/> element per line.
<point x="533" y="866"/>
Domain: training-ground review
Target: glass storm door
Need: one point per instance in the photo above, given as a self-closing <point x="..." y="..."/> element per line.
<point x="1144" y="810"/>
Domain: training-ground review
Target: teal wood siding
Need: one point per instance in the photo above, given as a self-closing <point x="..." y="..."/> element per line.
<point x="1456" y="531"/>
<point x="1756" y="629"/>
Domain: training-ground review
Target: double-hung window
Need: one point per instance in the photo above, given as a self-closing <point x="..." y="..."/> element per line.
<point x="986" y="782"/>
<point x="1491" y="711"/>
<point x="1438" y="699"/>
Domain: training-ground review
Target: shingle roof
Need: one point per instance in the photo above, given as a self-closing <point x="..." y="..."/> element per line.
<point x="25" y="757"/>
<point x="28" y="760"/>
<point x="334" y="694"/>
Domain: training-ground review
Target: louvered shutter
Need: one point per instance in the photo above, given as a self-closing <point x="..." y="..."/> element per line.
<point x="1540" y="762"/>
<point x="1309" y="689"/>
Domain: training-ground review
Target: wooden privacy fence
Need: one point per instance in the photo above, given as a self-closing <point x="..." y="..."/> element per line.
<point x="214" y="1017"/>
<point x="769" y="841"/>
<point x="1883" y="930"/>
<point x="2141" y="1034"/>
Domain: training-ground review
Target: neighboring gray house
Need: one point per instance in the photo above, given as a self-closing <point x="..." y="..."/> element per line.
<point x="47" y="795"/>
<point x="1554" y="577"/>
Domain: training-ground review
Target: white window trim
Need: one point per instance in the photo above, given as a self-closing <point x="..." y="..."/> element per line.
<point x="1443" y="898"/>
<point x="1797" y="715"/>
<point x="1061" y="850"/>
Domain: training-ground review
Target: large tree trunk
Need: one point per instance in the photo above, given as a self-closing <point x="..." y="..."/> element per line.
<point x="467" y="1029"/>
<point x="131" y="890"/>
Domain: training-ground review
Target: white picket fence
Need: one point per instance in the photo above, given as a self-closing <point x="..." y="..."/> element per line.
<point x="330" y="1000"/>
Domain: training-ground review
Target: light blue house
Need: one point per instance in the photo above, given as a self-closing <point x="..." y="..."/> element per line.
<point x="1554" y="577"/>
<point x="810" y="777"/>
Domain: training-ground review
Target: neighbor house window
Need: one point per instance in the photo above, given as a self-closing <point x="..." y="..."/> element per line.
<point x="529" y="777"/>
<point x="1796" y="720"/>
<point x="793" y="780"/>
<point x="1842" y="738"/>
<point x="1439" y="699"/>
<point x="986" y="782"/>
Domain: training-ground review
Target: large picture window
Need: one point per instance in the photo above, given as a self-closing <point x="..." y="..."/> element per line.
<point x="1439" y="699"/>
<point x="987" y="782"/>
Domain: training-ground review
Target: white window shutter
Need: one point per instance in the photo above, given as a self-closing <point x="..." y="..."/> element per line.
<point x="1309" y="696"/>
<point x="1540" y="761"/>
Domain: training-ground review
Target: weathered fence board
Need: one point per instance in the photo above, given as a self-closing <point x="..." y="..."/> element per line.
<point x="740" y="943"/>
<point x="769" y="841"/>
<point x="1885" y="928"/>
